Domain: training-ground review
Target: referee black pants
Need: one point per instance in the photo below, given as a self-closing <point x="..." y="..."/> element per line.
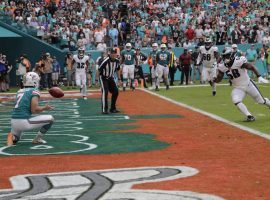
<point x="108" y="85"/>
<point x="185" y="72"/>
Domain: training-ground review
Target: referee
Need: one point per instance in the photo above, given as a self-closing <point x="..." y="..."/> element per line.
<point x="105" y="73"/>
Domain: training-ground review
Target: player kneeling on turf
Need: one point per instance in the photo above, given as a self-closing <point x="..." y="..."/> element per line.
<point x="26" y="105"/>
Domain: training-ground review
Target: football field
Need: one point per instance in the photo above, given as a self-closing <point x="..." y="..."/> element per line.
<point x="177" y="144"/>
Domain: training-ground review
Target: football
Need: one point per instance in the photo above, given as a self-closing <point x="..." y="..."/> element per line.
<point x="56" y="92"/>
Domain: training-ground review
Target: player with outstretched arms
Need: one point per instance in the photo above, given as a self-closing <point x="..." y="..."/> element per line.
<point x="27" y="104"/>
<point x="236" y="69"/>
<point x="80" y="63"/>
<point x="208" y="56"/>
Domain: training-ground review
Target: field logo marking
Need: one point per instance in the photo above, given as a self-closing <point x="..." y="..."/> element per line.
<point x="41" y="147"/>
<point x="81" y="146"/>
<point x="114" y="184"/>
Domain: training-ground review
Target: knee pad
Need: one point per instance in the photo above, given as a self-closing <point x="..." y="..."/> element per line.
<point x="15" y="139"/>
<point x="237" y="103"/>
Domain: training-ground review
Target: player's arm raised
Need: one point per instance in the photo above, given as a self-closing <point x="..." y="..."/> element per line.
<point x="35" y="108"/>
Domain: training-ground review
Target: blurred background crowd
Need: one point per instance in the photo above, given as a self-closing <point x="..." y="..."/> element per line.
<point x="98" y="24"/>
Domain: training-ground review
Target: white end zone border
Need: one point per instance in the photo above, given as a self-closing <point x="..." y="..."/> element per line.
<point x="213" y="116"/>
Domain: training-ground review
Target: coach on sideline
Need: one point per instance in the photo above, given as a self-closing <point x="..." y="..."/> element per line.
<point x="105" y="74"/>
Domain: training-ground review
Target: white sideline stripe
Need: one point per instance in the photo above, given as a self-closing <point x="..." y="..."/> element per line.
<point x="213" y="116"/>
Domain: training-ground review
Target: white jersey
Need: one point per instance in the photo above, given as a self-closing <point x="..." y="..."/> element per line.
<point x="80" y="63"/>
<point x="208" y="56"/>
<point x="238" y="75"/>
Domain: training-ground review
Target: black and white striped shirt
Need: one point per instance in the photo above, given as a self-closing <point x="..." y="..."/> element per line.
<point x="108" y="67"/>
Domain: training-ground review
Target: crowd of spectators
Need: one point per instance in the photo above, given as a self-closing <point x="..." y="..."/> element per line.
<point x="98" y="24"/>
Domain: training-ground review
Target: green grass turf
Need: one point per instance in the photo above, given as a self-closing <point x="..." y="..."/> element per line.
<point x="221" y="104"/>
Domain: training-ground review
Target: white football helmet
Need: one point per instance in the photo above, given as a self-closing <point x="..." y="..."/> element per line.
<point x="234" y="47"/>
<point x="163" y="47"/>
<point x="81" y="51"/>
<point x="208" y="42"/>
<point x="155" y="46"/>
<point x="228" y="56"/>
<point x="31" y="79"/>
<point x="128" y="46"/>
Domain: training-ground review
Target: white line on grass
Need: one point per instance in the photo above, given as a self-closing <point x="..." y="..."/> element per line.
<point x="213" y="116"/>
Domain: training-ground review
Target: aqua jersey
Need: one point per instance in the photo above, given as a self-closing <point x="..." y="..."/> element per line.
<point x="129" y="57"/>
<point x="163" y="57"/>
<point x="22" y="109"/>
<point x="153" y="55"/>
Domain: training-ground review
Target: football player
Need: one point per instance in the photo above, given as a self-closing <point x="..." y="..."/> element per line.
<point x="80" y="63"/>
<point x="208" y="56"/>
<point x="27" y="104"/>
<point x="128" y="61"/>
<point x="163" y="60"/>
<point x="153" y="63"/>
<point x="236" y="69"/>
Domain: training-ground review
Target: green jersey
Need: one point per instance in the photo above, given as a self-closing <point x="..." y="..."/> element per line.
<point x="163" y="57"/>
<point x="22" y="109"/>
<point x="153" y="55"/>
<point x="128" y="56"/>
<point x="91" y="65"/>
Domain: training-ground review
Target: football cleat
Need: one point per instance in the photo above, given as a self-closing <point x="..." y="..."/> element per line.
<point x="214" y="93"/>
<point x="38" y="140"/>
<point x="105" y="113"/>
<point x="114" y="111"/>
<point x="10" y="139"/>
<point x="156" y="88"/>
<point x="250" y="118"/>
<point x="167" y="87"/>
<point x="85" y="98"/>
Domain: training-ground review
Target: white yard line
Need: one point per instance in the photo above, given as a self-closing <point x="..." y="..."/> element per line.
<point x="213" y="116"/>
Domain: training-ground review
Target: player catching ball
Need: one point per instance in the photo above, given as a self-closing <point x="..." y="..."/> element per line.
<point x="27" y="100"/>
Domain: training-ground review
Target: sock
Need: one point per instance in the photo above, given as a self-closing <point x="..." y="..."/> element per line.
<point x="243" y="109"/>
<point x="84" y="90"/>
<point x="124" y="82"/>
<point x="38" y="136"/>
<point x="132" y="83"/>
<point x="214" y="87"/>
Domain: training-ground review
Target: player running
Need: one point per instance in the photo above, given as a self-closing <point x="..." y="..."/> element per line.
<point x="236" y="69"/>
<point x="163" y="59"/>
<point x="128" y="61"/>
<point x="80" y="63"/>
<point x="152" y="61"/>
<point x="27" y="104"/>
<point x="208" y="56"/>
